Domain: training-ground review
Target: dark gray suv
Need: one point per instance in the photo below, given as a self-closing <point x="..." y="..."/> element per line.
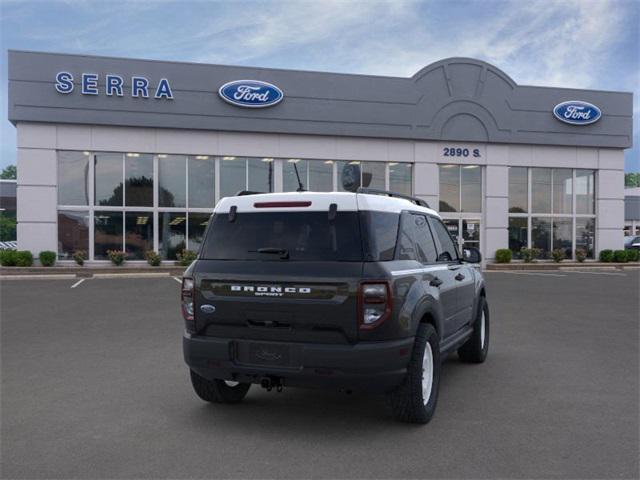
<point x="351" y="291"/>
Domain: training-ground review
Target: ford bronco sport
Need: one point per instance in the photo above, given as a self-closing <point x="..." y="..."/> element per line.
<point x="353" y="291"/>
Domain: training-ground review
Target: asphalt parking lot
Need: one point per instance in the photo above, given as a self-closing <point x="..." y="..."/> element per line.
<point x="94" y="386"/>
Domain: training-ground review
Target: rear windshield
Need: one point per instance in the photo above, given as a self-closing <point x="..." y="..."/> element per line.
<point x="308" y="236"/>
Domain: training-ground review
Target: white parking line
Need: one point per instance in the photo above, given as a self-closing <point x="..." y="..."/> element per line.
<point x="597" y="273"/>
<point x="78" y="283"/>
<point x="532" y="273"/>
<point x="177" y="280"/>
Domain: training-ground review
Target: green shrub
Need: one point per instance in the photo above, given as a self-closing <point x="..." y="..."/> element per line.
<point x="633" y="255"/>
<point x="186" y="257"/>
<point x="606" y="255"/>
<point x="80" y="256"/>
<point x="620" y="256"/>
<point x="558" y="255"/>
<point x="530" y="254"/>
<point x="581" y="254"/>
<point x="117" y="257"/>
<point x="24" y="258"/>
<point x="153" y="258"/>
<point x="526" y="254"/>
<point x="8" y="258"/>
<point x="47" y="258"/>
<point x="503" y="255"/>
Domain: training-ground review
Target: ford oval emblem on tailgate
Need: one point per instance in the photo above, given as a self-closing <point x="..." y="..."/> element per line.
<point x="206" y="308"/>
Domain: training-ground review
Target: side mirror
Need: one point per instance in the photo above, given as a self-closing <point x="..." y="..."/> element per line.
<point x="471" y="255"/>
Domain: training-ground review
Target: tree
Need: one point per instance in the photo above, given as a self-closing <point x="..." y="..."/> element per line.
<point x="9" y="172"/>
<point x="7" y="228"/>
<point x="632" y="180"/>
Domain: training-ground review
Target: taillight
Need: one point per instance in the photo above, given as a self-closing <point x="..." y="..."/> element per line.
<point x="374" y="304"/>
<point x="186" y="300"/>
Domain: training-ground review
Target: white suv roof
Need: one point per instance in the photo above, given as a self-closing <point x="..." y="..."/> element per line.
<point x="318" y="201"/>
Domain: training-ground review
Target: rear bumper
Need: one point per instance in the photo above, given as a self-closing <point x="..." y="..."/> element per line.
<point x="366" y="366"/>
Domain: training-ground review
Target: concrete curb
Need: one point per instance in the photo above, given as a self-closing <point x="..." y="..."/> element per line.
<point x="54" y="276"/>
<point x="31" y="273"/>
<point x="561" y="266"/>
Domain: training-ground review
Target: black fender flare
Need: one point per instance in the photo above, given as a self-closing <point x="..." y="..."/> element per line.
<point x="428" y="307"/>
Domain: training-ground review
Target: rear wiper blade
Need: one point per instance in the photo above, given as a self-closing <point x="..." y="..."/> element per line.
<point x="283" y="252"/>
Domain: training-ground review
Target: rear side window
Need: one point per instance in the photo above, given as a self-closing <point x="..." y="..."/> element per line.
<point x="379" y="231"/>
<point x="415" y="241"/>
<point x="308" y="236"/>
<point x="448" y="251"/>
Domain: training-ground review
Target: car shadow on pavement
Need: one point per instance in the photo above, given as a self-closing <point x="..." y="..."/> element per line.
<point x="306" y="410"/>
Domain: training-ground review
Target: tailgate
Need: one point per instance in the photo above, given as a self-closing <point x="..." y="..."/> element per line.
<point x="281" y="301"/>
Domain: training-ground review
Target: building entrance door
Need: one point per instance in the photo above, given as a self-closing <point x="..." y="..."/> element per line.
<point x="465" y="231"/>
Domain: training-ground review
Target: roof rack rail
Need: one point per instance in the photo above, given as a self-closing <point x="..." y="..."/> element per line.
<point x="375" y="191"/>
<point x="242" y="193"/>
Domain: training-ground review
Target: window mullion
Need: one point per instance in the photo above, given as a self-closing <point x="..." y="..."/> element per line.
<point x="216" y="180"/>
<point x="92" y="186"/>
<point x="246" y="174"/>
<point x="529" y="207"/>
<point x="156" y="200"/>
<point x="459" y="188"/>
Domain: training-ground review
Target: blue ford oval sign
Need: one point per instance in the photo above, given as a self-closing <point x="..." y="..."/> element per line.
<point x="577" y="112"/>
<point x="251" y="93"/>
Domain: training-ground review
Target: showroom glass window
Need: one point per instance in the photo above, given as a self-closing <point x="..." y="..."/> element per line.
<point x="260" y="174"/>
<point x="138" y="175"/>
<point x="73" y="178"/>
<point x="551" y="209"/>
<point x="315" y="175"/>
<point x="585" y="192"/>
<point x="400" y="176"/>
<point x="197" y="223"/>
<point x="240" y="173"/>
<point x="107" y="232"/>
<point x="172" y="231"/>
<point x="394" y="176"/>
<point x="449" y="188"/>
<point x="137" y="202"/>
<point x="138" y="234"/>
<point x="172" y="181"/>
<point x="293" y="168"/>
<point x="108" y="175"/>
<point x="373" y="175"/>
<point x="460" y="188"/>
<point x="518" y="190"/>
<point x="202" y="178"/>
<point x="73" y="232"/>
<point x="320" y="175"/>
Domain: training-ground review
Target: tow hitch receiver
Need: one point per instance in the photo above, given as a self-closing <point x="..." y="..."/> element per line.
<point x="271" y="382"/>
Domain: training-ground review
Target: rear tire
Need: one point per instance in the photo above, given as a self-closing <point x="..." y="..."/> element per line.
<point x="218" y="391"/>
<point x="415" y="400"/>
<point x="476" y="348"/>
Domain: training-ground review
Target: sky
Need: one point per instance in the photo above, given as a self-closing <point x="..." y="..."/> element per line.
<point x="565" y="43"/>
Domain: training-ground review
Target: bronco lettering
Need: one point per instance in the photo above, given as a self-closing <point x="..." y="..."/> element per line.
<point x="273" y="290"/>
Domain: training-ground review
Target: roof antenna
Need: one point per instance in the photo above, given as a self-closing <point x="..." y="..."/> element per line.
<point x="300" y="186"/>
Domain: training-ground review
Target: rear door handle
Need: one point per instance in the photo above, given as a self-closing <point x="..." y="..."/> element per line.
<point x="436" y="282"/>
<point x="459" y="277"/>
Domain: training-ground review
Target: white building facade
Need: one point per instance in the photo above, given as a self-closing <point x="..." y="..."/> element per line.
<point x="101" y="168"/>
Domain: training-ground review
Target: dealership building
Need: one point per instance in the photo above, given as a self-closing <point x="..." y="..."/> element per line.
<point x="133" y="155"/>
